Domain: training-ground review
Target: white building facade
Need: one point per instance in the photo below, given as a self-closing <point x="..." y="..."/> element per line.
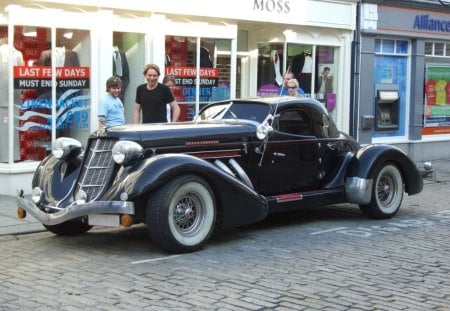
<point x="57" y="55"/>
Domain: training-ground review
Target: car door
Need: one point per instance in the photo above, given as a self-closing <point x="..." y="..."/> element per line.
<point x="290" y="161"/>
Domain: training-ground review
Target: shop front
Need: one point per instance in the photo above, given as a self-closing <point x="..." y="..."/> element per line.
<point x="56" y="57"/>
<point x="405" y="78"/>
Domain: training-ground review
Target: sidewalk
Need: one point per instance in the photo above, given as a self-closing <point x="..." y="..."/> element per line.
<point x="11" y="225"/>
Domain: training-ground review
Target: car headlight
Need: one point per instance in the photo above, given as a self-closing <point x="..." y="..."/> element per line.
<point x="64" y="147"/>
<point x="37" y="195"/>
<point x="125" y="151"/>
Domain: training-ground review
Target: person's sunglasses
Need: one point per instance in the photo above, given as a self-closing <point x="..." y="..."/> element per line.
<point x="291" y="87"/>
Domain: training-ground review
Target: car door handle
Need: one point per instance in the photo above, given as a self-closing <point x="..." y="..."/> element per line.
<point x="332" y="146"/>
<point x="279" y="154"/>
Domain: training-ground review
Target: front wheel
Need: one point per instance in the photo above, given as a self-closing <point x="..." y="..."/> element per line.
<point x="181" y="215"/>
<point x="387" y="193"/>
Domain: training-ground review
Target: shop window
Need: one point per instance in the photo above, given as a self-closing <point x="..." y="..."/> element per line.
<point x="428" y="48"/>
<point x="270" y="68"/>
<point x="316" y="76"/>
<point x="401" y="47"/>
<point x="50" y="103"/>
<point x="437" y="99"/>
<point x="326" y="83"/>
<point x="15" y="56"/>
<point x="377" y="46"/>
<point x="214" y="58"/>
<point x="388" y="46"/>
<point x="439" y="49"/>
<point x="300" y="62"/>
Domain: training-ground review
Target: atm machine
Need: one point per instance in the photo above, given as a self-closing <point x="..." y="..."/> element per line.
<point x="387" y="108"/>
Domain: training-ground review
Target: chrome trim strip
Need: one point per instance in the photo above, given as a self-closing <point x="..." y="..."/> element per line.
<point x="238" y="151"/>
<point x="358" y="190"/>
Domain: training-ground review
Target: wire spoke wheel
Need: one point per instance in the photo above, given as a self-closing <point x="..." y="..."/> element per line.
<point x="181" y="215"/>
<point x="189" y="214"/>
<point x="387" y="193"/>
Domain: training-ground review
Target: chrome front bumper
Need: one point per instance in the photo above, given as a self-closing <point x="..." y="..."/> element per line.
<point x="75" y="211"/>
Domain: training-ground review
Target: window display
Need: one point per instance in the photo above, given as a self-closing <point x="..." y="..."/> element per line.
<point x="300" y="65"/>
<point x="437" y="100"/>
<point x="8" y="54"/>
<point x="51" y="96"/>
<point x="270" y="68"/>
<point x="213" y="57"/>
<point x="121" y="69"/>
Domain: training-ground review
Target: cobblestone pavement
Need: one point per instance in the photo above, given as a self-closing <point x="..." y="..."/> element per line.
<point x="330" y="258"/>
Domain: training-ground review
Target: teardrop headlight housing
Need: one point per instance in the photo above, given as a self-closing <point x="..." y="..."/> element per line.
<point x="66" y="147"/>
<point x="124" y="152"/>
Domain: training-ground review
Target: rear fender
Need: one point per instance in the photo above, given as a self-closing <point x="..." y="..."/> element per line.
<point x="368" y="160"/>
<point x="238" y="203"/>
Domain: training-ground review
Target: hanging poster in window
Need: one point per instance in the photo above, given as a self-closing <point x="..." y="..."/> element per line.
<point x="437" y="100"/>
<point x="71" y="106"/>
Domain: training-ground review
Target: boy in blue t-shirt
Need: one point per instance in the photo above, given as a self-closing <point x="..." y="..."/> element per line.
<point x="110" y="108"/>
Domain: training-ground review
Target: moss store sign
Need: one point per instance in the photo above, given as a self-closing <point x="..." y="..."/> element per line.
<point x="272" y="6"/>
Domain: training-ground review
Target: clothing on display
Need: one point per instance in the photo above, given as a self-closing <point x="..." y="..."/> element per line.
<point x="302" y="68"/>
<point x="17" y="60"/>
<point x="325" y="87"/>
<point x="121" y="70"/>
<point x="64" y="57"/>
<point x="205" y="58"/>
<point x="277" y="68"/>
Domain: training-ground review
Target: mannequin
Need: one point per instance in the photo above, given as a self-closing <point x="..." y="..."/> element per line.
<point x="121" y="70"/>
<point x="64" y="57"/>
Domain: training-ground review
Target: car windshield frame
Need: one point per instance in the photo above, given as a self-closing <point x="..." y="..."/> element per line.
<point x="235" y="110"/>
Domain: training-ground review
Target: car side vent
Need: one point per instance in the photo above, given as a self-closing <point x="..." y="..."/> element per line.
<point x="224" y="167"/>
<point x="234" y="169"/>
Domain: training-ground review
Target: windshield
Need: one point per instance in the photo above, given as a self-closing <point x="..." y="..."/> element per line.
<point x="252" y="111"/>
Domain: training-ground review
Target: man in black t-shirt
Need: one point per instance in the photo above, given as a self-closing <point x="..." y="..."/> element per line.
<point x="152" y="97"/>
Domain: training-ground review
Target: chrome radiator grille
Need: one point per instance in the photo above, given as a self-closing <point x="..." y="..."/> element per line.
<point x="97" y="169"/>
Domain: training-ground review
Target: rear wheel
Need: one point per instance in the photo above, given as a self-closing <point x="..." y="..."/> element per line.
<point x="181" y="214"/>
<point x="69" y="228"/>
<point x="387" y="193"/>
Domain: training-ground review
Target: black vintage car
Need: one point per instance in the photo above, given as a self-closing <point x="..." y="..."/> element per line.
<point x="237" y="162"/>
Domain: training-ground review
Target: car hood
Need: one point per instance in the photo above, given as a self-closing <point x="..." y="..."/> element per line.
<point x="181" y="133"/>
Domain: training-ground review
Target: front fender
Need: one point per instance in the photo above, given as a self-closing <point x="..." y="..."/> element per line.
<point x="238" y="203"/>
<point x="369" y="159"/>
<point x="56" y="178"/>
